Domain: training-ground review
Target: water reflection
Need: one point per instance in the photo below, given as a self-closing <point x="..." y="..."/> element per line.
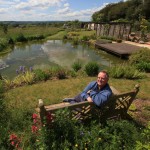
<point x="50" y="53"/>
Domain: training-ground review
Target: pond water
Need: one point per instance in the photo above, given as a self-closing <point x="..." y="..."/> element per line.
<point x="53" y="52"/>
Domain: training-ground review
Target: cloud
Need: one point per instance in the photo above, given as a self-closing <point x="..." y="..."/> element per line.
<point x="38" y="4"/>
<point x="64" y="10"/>
<point x="3" y="10"/>
<point x="66" y="5"/>
<point x="68" y="14"/>
<point x="43" y="10"/>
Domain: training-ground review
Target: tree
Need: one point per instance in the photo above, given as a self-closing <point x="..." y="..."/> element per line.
<point x="130" y="10"/>
<point x="5" y="28"/>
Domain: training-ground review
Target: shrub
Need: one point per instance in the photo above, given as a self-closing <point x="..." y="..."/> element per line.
<point x="93" y="36"/>
<point x="92" y="68"/>
<point x="3" y="44"/>
<point x="108" y="38"/>
<point x="125" y="71"/>
<point x="40" y="37"/>
<point x="73" y="34"/>
<point x="85" y="38"/>
<point x="116" y="71"/>
<point x="21" y="38"/>
<point x="143" y="66"/>
<point x="141" y="59"/>
<point x="58" y="72"/>
<point x="77" y="65"/>
<point x="143" y="143"/>
<point x="75" y="41"/>
<point x="7" y="83"/>
<point x="35" y="37"/>
<point x="72" y="73"/>
<point x="61" y="74"/>
<point x="28" y="77"/>
<point x="41" y="75"/>
<point x="10" y="40"/>
<point x="65" y="37"/>
<point x="65" y="133"/>
<point x="2" y="47"/>
<point x="18" y="81"/>
<point x="103" y="41"/>
<point x="25" y="78"/>
<point x="4" y="119"/>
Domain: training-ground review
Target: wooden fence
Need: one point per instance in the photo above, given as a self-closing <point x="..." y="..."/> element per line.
<point x="114" y="30"/>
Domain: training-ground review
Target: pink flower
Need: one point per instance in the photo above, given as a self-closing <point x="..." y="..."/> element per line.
<point x="34" y="116"/>
<point x="34" y="129"/>
<point x="49" y="117"/>
<point x="15" y="141"/>
<point x="34" y="121"/>
<point x="12" y="143"/>
<point x="13" y="137"/>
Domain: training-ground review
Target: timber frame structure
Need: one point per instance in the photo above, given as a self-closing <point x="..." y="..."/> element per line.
<point x="115" y="108"/>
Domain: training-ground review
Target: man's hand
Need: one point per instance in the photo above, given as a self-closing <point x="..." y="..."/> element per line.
<point x="89" y="91"/>
<point x="89" y="99"/>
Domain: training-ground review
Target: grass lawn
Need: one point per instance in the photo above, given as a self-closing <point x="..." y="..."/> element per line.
<point x="60" y="34"/>
<point x="57" y="36"/>
<point x="53" y="91"/>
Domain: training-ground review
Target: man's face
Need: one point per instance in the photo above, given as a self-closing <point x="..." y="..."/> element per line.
<point x="102" y="79"/>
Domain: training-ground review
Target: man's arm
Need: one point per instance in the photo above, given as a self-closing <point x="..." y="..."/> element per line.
<point x="101" y="97"/>
<point x="85" y="93"/>
<point x="89" y="99"/>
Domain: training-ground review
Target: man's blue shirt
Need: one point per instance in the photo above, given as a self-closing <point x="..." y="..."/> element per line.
<point x="99" y="96"/>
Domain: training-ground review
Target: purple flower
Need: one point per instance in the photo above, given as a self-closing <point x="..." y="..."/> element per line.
<point x="17" y="71"/>
<point x="20" y="68"/>
<point x="23" y="69"/>
<point x="31" y="69"/>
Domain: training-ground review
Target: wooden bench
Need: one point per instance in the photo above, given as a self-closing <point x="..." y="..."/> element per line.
<point x="116" y="107"/>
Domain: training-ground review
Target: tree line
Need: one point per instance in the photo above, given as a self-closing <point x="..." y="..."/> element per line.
<point x="128" y="11"/>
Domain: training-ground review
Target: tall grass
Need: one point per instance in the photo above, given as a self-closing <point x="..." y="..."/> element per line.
<point x="141" y="59"/>
<point x="30" y="31"/>
<point x="125" y="71"/>
<point x="18" y="34"/>
<point x="92" y="68"/>
<point x="76" y="65"/>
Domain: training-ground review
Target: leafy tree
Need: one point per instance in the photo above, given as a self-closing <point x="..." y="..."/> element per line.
<point x="130" y="10"/>
<point x="4" y="28"/>
<point x="146" y="10"/>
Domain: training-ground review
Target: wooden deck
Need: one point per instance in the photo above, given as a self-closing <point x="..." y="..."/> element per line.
<point x="120" y="49"/>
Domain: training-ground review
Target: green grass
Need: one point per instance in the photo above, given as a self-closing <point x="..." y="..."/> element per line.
<point x="86" y="33"/>
<point x="29" y="31"/>
<point x="57" y="36"/>
<point x="53" y="91"/>
<point x="21" y="102"/>
<point x="60" y="34"/>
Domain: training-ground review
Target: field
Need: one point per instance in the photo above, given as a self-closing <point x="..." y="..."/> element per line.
<point x="29" y="30"/>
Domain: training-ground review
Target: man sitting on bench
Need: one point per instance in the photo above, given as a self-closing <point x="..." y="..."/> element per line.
<point x="97" y="92"/>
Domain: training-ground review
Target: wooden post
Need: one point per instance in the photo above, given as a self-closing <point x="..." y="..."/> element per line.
<point x="42" y="110"/>
<point x="136" y="88"/>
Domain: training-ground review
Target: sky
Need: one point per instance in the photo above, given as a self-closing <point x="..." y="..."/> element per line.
<point x="50" y="10"/>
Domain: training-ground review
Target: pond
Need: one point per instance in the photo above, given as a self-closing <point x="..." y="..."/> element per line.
<point x="50" y="53"/>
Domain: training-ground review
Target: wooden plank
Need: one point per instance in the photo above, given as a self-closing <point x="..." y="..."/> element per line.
<point x="119" y="49"/>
